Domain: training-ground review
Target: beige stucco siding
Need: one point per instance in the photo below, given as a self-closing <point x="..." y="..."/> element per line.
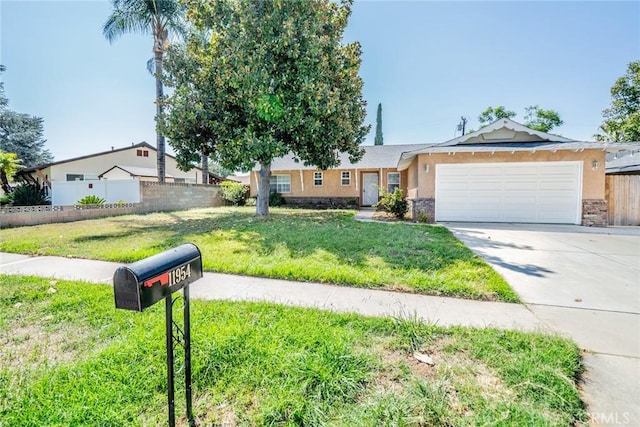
<point x="424" y="185"/>
<point x="302" y="182"/>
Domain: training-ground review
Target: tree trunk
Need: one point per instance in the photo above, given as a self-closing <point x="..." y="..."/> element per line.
<point x="159" y="116"/>
<point x="205" y="169"/>
<point x="5" y="182"/>
<point x="264" y="188"/>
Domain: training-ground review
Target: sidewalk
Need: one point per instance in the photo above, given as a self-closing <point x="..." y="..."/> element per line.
<point x="213" y="286"/>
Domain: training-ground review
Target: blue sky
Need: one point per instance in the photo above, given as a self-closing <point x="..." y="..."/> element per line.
<point x="428" y="63"/>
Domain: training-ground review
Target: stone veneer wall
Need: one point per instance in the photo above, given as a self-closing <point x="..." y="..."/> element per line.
<point x="594" y="212"/>
<point x="419" y="208"/>
<point x="154" y="197"/>
<point x="322" y="202"/>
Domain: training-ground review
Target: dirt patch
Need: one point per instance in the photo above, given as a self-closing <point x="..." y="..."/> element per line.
<point x="35" y="344"/>
<point x="455" y="370"/>
<point x="385" y="216"/>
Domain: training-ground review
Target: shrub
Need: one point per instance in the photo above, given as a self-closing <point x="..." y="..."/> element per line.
<point x="251" y="201"/>
<point x="91" y="200"/>
<point x="233" y="192"/>
<point x="28" y="195"/>
<point x="394" y="203"/>
<point x="423" y="217"/>
<point x="276" y="199"/>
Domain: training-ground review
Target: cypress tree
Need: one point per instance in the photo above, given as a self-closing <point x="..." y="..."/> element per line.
<point x="379" y="139"/>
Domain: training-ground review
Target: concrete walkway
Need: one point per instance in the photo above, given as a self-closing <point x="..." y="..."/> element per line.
<point x="215" y="286"/>
<point x="608" y="335"/>
<point x="584" y="283"/>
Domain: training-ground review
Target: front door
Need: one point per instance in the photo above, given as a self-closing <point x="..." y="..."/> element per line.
<point x="369" y="189"/>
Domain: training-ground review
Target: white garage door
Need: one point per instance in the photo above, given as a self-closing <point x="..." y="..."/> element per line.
<point x="536" y="192"/>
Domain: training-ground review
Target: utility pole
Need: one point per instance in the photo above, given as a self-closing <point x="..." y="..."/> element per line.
<point x="463" y="124"/>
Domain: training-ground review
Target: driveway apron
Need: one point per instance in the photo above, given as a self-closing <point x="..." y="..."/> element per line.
<point x="583" y="283"/>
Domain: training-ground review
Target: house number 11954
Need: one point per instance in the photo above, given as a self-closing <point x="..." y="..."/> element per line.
<point x="179" y="274"/>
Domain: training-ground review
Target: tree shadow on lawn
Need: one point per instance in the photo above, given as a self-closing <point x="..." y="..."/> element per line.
<point x="303" y="234"/>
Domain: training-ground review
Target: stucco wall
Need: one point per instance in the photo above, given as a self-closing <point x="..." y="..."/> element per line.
<point x="302" y="182"/>
<point x="592" y="184"/>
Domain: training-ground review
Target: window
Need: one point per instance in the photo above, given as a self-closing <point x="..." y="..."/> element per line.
<point x="75" y="177"/>
<point x="142" y="153"/>
<point x="346" y="178"/>
<point x="393" y="181"/>
<point x="139" y="153"/>
<point x="280" y="184"/>
<point x="317" y="179"/>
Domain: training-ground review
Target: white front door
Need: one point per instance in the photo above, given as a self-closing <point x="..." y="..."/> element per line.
<point x="369" y="189"/>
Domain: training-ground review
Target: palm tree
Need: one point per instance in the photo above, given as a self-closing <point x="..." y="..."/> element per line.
<point x="9" y="165"/>
<point x="158" y="18"/>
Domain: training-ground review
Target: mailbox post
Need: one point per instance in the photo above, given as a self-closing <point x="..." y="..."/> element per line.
<point x="141" y="284"/>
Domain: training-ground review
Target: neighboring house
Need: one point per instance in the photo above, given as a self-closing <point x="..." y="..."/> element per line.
<point x="136" y="161"/>
<point x="149" y="174"/>
<point x="134" y="172"/>
<point x="623" y="164"/>
<point x="504" y="172"/>
<point x="242" y="179"/>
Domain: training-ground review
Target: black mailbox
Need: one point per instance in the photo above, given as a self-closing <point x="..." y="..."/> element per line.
<point x="143" y="283"/>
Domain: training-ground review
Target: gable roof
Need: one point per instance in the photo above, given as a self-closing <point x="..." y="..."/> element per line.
<point x="505" y="130"/>
<point x="142" y="144"/>
<point x="375" y="156"/>
<point x="507" y="135"/>
<point x="136" y="171"/>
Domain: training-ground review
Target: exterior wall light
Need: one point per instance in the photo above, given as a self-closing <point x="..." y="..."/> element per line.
<point x="426" y="168"/>
<point x="595" y="164"/>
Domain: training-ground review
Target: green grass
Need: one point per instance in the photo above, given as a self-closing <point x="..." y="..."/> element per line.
<point x="69" y="358"/>
<point x="323" y="246"/>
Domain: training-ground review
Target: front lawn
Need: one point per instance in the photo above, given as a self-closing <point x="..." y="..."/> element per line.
<point x="69" y="358"/>
<point x="306" y="245"/>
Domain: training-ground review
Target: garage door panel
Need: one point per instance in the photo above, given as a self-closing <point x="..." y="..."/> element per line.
<point x="567" y="186"/>
<point x="480" y="172"/>
<point x="523" y="170"/>
<point x="546" y="192"/>
<point x="484" y="185"/>
<point x="520" y="186"/>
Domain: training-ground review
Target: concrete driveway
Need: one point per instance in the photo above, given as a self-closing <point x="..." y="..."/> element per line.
<point x="583" y="283"/>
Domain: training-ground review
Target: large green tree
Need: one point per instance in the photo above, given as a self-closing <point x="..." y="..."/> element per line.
<point x="158" y="18"/>
<point x="270" y="78"/>
<point x="535" y="117"/>
<point x="22" y="134"/>
<point x="540" y="119"/>
<point x="379" y="140"/>
<point x="622" y="118"/>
